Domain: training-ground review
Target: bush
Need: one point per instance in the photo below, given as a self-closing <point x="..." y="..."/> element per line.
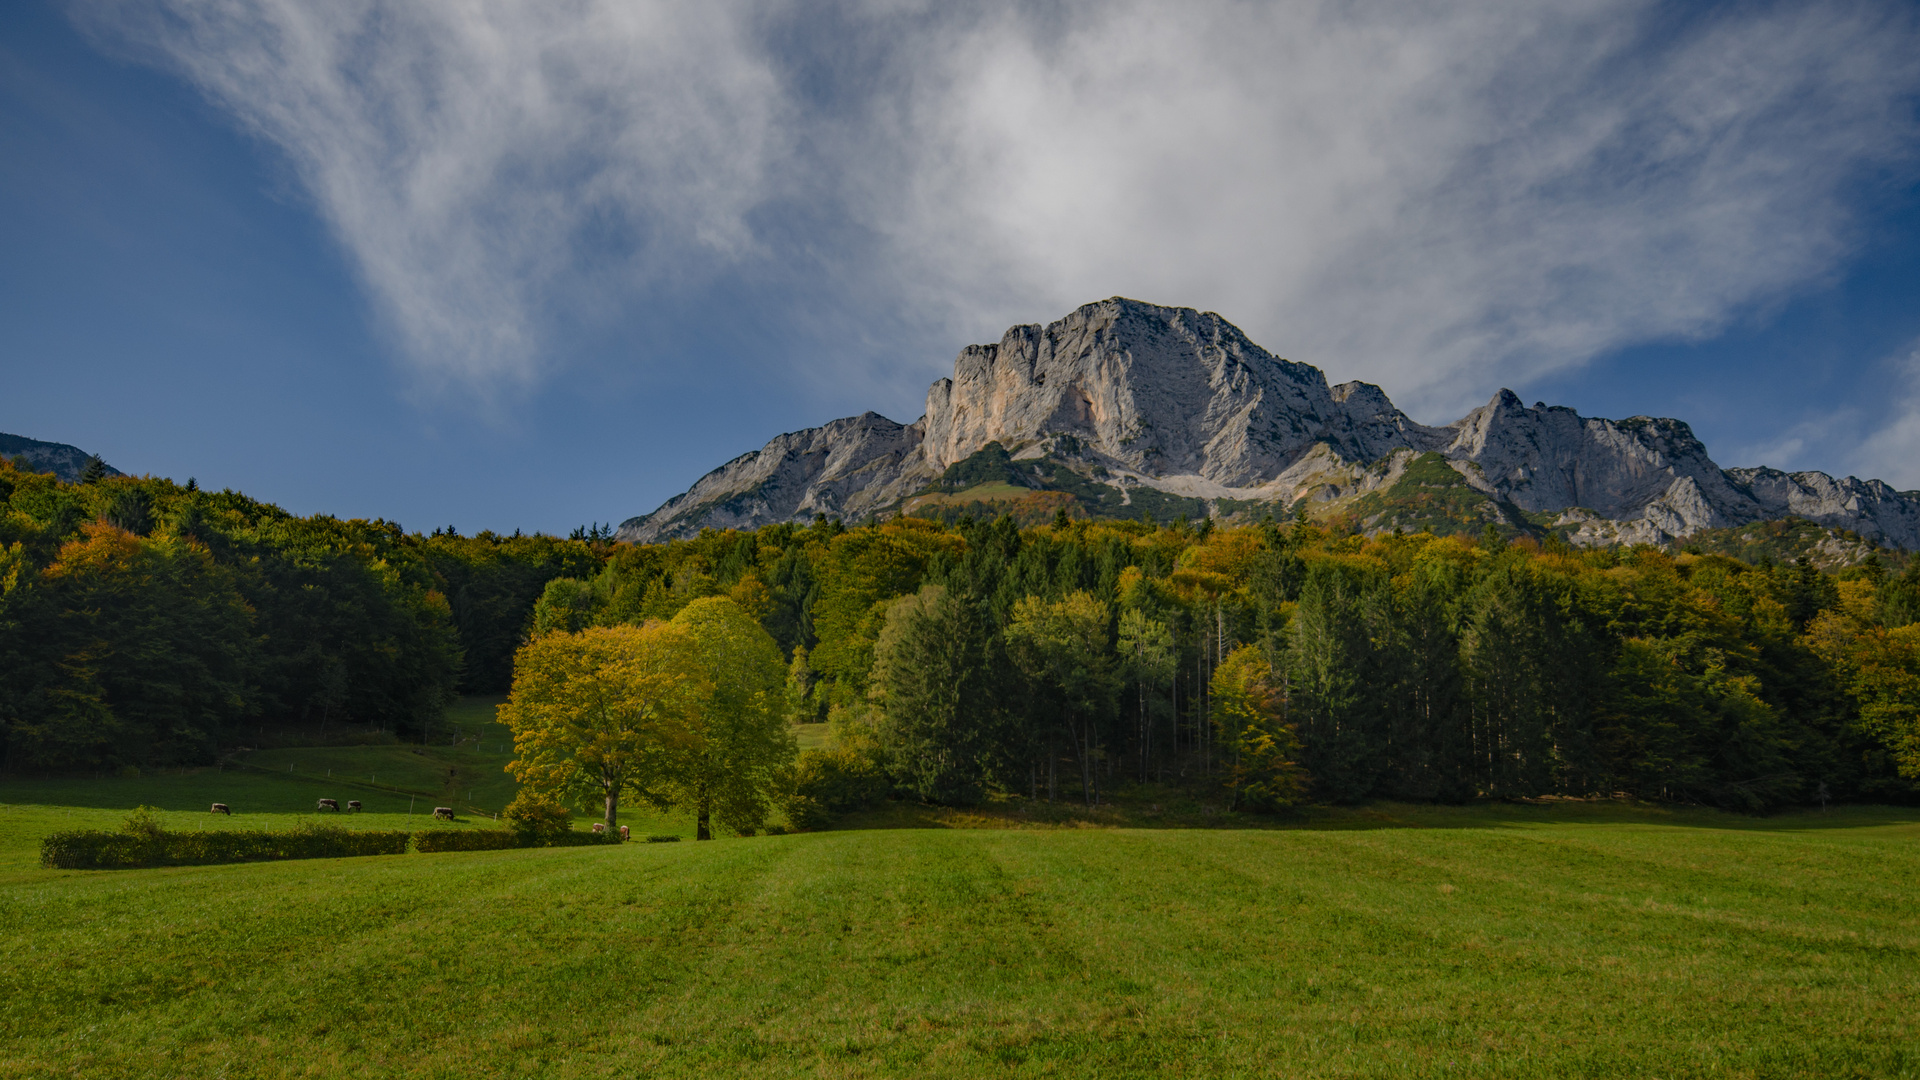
<point x="663" y="839"/>
<point x="538" y="817"/>
<point x="142" y="843"/>
<point x="431" y="840"/>
<point x="805" y="813"/>
<point x="829" y="782"/>
<point x="580" y="839"/>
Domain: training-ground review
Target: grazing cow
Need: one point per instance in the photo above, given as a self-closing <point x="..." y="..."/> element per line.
<point x="599" y="826"/>
<point x="329" y="804"/>
<point x="353" y="805"/>
<point x="623" y="833"/>
<point x="443" y="813"/>
<point x="220" y="808"/>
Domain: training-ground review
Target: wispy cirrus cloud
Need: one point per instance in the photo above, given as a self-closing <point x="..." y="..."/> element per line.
<point x="1431" y="197"/>
<point x="481" y="162"/>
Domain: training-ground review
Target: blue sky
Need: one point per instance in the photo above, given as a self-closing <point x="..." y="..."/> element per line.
<point x="528" y="271"/>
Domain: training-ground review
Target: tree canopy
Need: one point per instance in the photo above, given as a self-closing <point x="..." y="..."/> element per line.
<point x="608" y="712"/>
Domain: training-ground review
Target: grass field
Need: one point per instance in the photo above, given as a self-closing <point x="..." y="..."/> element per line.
<point x="1146" y="939"/>
<point x="1395" y="941"/>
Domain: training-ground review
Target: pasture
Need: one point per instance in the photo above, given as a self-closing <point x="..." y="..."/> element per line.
<point x="1511" y="941"/>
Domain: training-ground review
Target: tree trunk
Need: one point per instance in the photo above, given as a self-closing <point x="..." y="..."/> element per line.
<point x="1145" y="742"/>
<point x="1083" y="750"/>
<point x="702" y="830"/>
<point x="1173" y="716"/>
<point x="613" y="811"/>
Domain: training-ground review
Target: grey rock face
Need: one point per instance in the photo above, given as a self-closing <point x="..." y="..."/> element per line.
<point x="1869" y="507"/>
<point x="1157" y="391"/>
<point x="846" y="469"/>
<point x="1181" y="400"/>
<point x="64" y="461"/>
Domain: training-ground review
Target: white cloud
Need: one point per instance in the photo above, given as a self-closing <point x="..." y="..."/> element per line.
<point x="1892" y="451"/>
<point x="1397" y="191"/>
<point x="473" y="157"/>
<point x="1408" y="194"/>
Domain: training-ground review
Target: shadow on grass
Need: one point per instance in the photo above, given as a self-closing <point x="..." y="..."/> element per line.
<point x="1174" y="809"/>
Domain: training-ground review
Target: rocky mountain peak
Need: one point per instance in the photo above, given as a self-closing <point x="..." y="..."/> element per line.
<point x="1122" y="398"/>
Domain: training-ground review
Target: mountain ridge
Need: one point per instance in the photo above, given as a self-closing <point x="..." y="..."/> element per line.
<point x="1135" y="397"/>
<point x="61" y="459"/>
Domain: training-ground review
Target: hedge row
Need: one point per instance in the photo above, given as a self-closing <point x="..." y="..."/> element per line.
<point x="98" y="850"/>
<point x="497" y="839"/>
<point x="466" y="840"/>
<point x="94" y="849"/>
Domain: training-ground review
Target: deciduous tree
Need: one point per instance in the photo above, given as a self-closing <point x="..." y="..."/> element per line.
<point x="607" y="712"/>
<point x="729" y="765"/>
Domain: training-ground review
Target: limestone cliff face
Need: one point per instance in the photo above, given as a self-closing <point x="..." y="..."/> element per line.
<point x="847" y="469"/>
<point x="1182" y="401"/>
<point x="1869" y="507"/>
<point x="1156" y="391"/>
<point x="1651" y="475"/>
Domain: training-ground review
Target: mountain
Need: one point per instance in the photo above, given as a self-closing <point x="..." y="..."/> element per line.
<point x="63" y="461"/>
<point x="1124" y="409"/>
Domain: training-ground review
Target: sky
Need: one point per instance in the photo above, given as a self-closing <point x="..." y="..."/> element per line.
<point x="516" y="265"/>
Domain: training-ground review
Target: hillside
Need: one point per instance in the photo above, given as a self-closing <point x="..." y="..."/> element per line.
<point x="64" y="461"/>
<point x="1127" y="409"/>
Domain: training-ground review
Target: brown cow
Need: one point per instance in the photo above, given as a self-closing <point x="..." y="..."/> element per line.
<point x="220" y="808"/>
<point x="599" y="826"/>
<point x="329" y="804"/>
<point x="353" y="805"/>
<point x="624" y="835"/>
<point x="443" y="813"/>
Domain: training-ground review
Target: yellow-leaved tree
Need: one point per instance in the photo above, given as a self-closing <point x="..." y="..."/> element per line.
<point x="1260" y="747"/>
<point x="739" y="744"/>
<point x="606" y="712"/>
<point x="1879" y="666"/>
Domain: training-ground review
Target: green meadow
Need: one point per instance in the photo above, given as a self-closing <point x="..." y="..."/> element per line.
<point x="1392" y="941"/>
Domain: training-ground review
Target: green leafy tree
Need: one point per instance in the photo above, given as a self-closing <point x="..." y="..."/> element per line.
<point x="1063" y="649"/>
<point x="1147" y="660"/>
<point x="1329" y="658"/>
<point x="1536" y="665"/>
<point x="939" y="697"/>
<point x="568" y="606"/>
<point x="802" y="705"/>
<point x="1428" y="752"/>
<point x="731" y="767"/>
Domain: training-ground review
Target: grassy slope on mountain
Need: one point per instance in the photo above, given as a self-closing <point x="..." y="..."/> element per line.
<point x="990" y="482"/>
<point x="1500" y="941"/>
<point x="1786" y="540"/>
<point x="1430" y="496"/>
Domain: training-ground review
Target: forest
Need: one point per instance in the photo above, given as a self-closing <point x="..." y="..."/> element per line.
<point x="146" y="623"/>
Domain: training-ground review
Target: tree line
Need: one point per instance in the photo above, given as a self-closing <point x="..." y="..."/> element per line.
<point x="1285" y="661"/>
<point x="146" y="623"/>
